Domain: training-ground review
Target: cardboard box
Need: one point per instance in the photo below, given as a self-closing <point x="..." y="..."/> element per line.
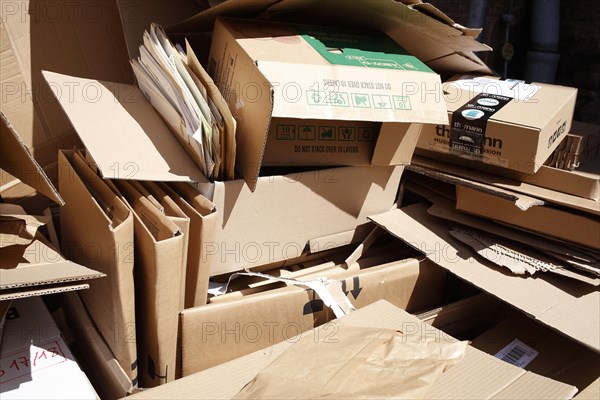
<point x="286" y="89"/>
<point x="232" y="325"/>
<point x="477" y="376"/>
<point x="570" y="307"/>
<point x="35" y="361"/>
<point x="422" y="29"/>
<point x="569" y="226"/>
<point x="503" y="123"/>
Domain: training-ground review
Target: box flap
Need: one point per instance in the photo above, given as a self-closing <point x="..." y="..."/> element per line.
<point x="16" y="159"/>
<point x="79" y="38"/>
<point x="414" y="99"/>
<point x="427" y="35"/>
<point x="565" y="305"/>
<point x="505" y="188"/>
<point x="122" y="132"/>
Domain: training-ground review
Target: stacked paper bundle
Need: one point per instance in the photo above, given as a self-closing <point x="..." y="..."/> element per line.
<point x="183" y="93"/>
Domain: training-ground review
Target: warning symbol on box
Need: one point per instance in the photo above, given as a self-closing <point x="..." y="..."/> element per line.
<point x="402" y="103"/>
<point x="360" y="100"/>
<point x="286" y="132"/>
<point x="346" y="133"/>
<point x="307" y="132"/>
<point x="327" y="133"/>
<point x="381" y="101"/>
<point x="366" y="134"/>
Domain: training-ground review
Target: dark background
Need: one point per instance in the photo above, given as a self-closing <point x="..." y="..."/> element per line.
<point x="579" y="46"/>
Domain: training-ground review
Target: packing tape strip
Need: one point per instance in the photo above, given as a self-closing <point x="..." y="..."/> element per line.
<point x="329" y="290"/>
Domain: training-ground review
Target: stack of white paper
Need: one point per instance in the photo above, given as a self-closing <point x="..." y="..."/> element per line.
<point x="187" y="99"/>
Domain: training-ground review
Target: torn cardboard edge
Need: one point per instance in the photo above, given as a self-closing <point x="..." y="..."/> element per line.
<point x="570" y="307"/>
<point x="524" y="195"/>
<point x="17" y="160"/>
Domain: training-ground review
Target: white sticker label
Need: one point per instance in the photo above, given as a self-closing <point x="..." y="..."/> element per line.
<point x="517" y="353"/>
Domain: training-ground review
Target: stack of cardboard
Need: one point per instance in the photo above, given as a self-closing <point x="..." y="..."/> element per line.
<point x="296" y="225"/>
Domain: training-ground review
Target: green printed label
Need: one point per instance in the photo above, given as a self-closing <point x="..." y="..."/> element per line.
<point x="360" y="50"/>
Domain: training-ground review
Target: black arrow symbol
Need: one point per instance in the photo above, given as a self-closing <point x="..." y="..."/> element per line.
<point x="357" y="289"/>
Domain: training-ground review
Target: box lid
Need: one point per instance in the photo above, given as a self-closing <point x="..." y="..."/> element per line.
<point x="567" y="306"/>
<point x="122" y="132"/>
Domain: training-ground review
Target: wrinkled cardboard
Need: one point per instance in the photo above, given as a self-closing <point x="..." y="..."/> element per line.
<point x="477" y="376"/>
<point x="358" y="363"/>
<point x="569" y="226"/>
<point x="97" y="230"/>
<point x="520" y="136"/>
<point x="570" y="307"/>
<point x="234" y="325"/>
<point x="35" y="360"/>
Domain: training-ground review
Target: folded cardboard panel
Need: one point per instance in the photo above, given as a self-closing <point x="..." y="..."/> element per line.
<point x="503" y="123"/>
<point x="570" y="226"/>
<point x="284" y="213"/>
<point x="524" y="194"/>
<point x="477" y="376"/>
<point x="568" y="306"/>
<point x="97" y="230"/>
<point x="37" y="36"/>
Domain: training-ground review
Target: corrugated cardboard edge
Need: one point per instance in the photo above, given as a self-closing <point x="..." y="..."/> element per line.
<point x="527" y="195"/>
<point x="16" y="159"/>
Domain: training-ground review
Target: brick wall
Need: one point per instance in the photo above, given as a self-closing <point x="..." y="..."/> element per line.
<point x="579" y="64"/>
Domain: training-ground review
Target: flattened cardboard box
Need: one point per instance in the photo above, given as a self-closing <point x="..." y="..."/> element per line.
<point x="503" y="123"/>
<point x="287" y="89"/>
<point x="477" y="376"/>
<point x="570" y="307"/>
<point x="227" y="329"/>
